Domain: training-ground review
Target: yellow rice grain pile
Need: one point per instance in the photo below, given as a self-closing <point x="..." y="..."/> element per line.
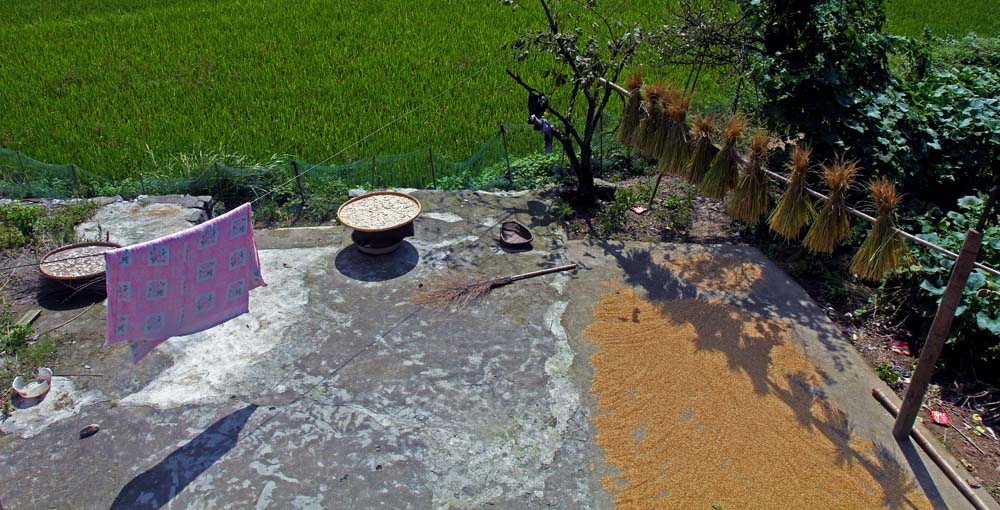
<point x="702" y="405"/>
<point x="726" y="272"/>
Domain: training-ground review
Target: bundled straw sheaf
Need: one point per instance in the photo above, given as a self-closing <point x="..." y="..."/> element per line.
<point x="795" y="208"/>
<point x="674" y="152"/>
<point x="702" y="148"/>
<point x="832" y="223"/>
<point x="883" y="251"/>
<point x="724" y="171"/>
<point x="630" y="117"/>
<point x="749" y="201"/>
<point x="649" y="125"/>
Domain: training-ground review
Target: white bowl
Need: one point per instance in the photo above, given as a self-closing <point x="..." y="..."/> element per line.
<point x="34" y="389"/>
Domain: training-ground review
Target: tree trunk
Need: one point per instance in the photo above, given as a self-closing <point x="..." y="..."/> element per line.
<point x="585" y="176"/>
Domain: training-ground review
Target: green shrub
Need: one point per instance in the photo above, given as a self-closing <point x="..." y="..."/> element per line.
<point x="975" y="332"/>
<point x="23" y="224"/>
<point x="887" y="373"/>
<point x="970" y="50"/>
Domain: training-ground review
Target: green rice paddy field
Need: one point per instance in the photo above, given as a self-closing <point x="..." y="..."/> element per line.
<point x="111" y="84"/>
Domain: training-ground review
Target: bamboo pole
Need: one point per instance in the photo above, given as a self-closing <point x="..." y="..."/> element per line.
<point x="851" y="210"/>
<point x="928" y="448"/>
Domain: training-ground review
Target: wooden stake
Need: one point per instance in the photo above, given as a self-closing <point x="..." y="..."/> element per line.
<point x="937" y="335"/>
<point x="928" y="448"/>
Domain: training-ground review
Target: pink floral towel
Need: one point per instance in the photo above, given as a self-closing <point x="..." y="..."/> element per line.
<point x="183" y="283"/>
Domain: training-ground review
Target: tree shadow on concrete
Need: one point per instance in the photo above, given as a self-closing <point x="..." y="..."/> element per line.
<point x="748" y="351"/>
<point x="155" y="488"/>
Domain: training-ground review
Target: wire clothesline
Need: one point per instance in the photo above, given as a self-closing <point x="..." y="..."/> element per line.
<point x="854" y="212"/>
<point x="437" y="96"/>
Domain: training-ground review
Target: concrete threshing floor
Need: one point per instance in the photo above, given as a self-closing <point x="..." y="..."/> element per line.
<point x="336" y="392"/>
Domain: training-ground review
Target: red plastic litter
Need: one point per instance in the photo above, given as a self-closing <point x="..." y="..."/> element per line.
<point x="940" y="417"/>
<point x="901" y="347"/>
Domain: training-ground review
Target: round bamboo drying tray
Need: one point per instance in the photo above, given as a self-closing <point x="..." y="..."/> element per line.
<point x="82" y="261"/>
<point x="382" y="228"/>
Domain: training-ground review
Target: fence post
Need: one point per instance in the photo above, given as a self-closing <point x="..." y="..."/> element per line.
<point x="218" y="181"/>
<point x="298" y="180"/>
<point x="24" y="174"/>
<point x="142" y="180"/>
<point x="506" y="155"/>
<point x="430" y="156"/>
<point x="76" y="178"/>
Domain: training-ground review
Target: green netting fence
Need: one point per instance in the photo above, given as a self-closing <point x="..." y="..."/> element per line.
<point x="493" y="166"/>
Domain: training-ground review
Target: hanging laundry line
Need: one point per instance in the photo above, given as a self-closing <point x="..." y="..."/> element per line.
<point x="859" y="214"/>
<point x="394" y="121"/>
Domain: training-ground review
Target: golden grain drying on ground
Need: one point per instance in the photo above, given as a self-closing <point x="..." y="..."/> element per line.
<point x="727" y="272"/>
<point x="701" y="404"/>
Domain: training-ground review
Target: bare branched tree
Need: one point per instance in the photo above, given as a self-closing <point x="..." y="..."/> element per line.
<point x="707" y="33"/>
<point x="580" y="61"/>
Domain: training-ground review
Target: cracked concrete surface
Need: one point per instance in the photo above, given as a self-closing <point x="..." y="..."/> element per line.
<point x="337" y="392"/>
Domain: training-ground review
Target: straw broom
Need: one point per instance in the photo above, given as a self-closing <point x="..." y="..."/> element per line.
<point x="631" y="114"/>
<point x="461" y="290"/>
<point x="702" y="149"/>
<point x="748" y="201"/>
<point x="723" y="173"/>
<point x="883" y="251"/>
<point x="832" y="223"/>
<point x="645" y="135"/>
<point x="795" y="210"/>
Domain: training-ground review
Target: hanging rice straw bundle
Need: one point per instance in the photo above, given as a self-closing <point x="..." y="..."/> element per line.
<point x="883" y="251"/>
<point x="645" y="135"/>
<point x="832" y="223"/>
<point x="702" y="148"/>
<point x="630" y="117"/>
<point x="749" y="200"/>
<point x="795" y="210"/>
<point x="724" y="171"/>
<point x="674" y="153"/>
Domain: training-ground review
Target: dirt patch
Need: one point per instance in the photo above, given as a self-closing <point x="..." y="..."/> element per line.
<point x="162" y="211"/>
<point x="703" y="405"/>
<point x="678" y="214"/>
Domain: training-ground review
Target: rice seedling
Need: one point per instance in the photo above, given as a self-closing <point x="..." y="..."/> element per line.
<point x="702" y="148"/>
<point x="749" y="201"/>
<point x="187" y="81"/>
<point x="832" y="223"/>
<point x="883" y="251"/>
<point x="724" y="171"/>
<point x="649" y="126"/>
<point x="630" y="116"/>
<point x="675" y="151"/>
<point x="794" y="210"/>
